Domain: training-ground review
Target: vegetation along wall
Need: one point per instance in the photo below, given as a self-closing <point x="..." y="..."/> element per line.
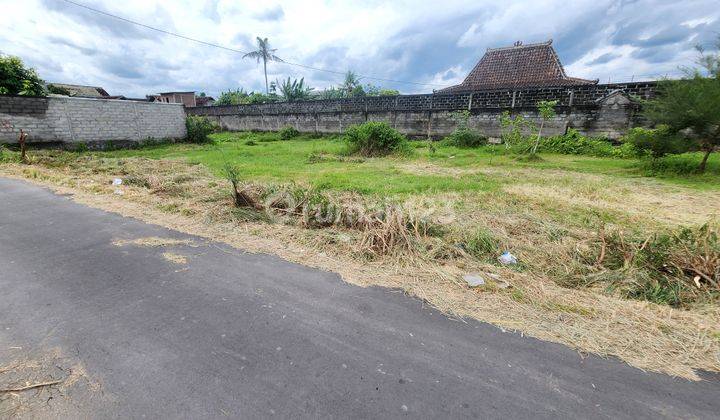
<point x="58" y="120"/>
<point x="595" y="110"/>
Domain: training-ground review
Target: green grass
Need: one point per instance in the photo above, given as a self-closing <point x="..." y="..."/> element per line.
<point x="262" y="157"/>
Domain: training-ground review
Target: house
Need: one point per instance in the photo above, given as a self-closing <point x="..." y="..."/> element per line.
<point x="517" y="67"/>
<point x="185" y="98"/>
<point x="80" y="91"/>
<point x="204" y="100"/>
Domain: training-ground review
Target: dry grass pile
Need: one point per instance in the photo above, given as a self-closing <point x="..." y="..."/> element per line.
<point x="422" y="252"/>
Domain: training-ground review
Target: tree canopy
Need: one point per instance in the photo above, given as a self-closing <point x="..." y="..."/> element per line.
<point x="17" y="79"/>
<point x="690" y="107"/>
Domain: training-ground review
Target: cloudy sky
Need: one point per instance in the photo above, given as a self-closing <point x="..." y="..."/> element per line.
<point x="426" y="42"/>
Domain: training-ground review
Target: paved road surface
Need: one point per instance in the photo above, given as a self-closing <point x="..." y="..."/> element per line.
<point x="231" y="334"/>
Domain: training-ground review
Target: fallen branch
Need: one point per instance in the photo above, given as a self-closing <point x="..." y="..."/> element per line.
<point x="25" y="388"/>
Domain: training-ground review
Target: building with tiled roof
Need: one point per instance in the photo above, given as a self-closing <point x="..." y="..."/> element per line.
<point x="82" y="91"/>
<point x="518" y="67"/>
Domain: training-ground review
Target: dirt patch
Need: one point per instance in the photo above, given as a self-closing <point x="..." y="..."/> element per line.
<point x="44" y="384"/>
<point x="646" y="335"/>
<point x="425" y="168"/>
<point x="174" y="258"/>
<point x="154" y="242"/>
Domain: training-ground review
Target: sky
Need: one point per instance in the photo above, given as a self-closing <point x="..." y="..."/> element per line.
<point x="430" y="43"/>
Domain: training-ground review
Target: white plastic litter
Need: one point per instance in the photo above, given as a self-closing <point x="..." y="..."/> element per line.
<point x="474" y="280"/>
<point x="117" y="181"/>
<point x="507" y="258"/>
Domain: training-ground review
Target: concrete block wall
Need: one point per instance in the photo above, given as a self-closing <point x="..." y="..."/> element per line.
<point x="56" y="120"/>
<point x="594" y="110"/>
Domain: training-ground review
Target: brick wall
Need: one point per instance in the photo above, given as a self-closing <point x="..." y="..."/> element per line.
<point x="75" y="120"/>
<point x="585" y="108"/>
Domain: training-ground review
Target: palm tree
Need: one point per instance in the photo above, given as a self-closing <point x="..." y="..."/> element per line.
<point x="264" y="53"/>
<point x="351" y="82"/>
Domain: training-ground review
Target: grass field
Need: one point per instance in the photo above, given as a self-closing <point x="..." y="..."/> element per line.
<point x="585" y="230"/>
<point x="315" y="162"/>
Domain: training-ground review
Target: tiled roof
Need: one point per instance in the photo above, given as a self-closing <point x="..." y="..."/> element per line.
<point x="83" y="91"/>
<point x="518" y="66"/>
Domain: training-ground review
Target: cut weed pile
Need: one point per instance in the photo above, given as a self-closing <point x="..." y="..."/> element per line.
<point x="424" y="243"/>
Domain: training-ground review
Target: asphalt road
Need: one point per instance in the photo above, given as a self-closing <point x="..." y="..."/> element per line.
<point x="235" y="335"/>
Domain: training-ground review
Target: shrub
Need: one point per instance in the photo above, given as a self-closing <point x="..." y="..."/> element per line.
<point x="198" y="128"/>
<point x="466" y="139"/>
<point x="375" y="139"/>
<point x="464" y="136"/>
<point x="288" y="132"/>
<point x="656" y="142"/>
<point x="512" y="129"/>
<point x="574" y="143"/>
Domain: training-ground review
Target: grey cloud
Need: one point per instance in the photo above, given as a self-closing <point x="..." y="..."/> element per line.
<point x="656" y="54"/>
<point x="605" y="58"/>
<point x="67" y="43"/>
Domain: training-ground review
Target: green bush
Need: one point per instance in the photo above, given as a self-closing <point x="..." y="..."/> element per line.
<point x="463" y="136"/>
<point x="375" y="139"/>
<point x="288" y="132"/>
<point x="684" y="164"/>
<point x="198" y="128"/>
<point x="656" y="142"/>
<point x="574" y="143"/>
<point x="466" y="139"/>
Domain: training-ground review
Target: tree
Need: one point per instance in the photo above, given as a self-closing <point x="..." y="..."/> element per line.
<point x="294" y="90"/>
<point x="351" y="83"/>
<point x="16" y="79"/>
<point x="690" y="107"/>
<point x="232" y="97"/>
<point x="264" y="53"/>
<point x="547" y="112"/>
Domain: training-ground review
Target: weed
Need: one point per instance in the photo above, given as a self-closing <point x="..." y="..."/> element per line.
<point x="288" y="132"/>
<point x="482" y="244"/>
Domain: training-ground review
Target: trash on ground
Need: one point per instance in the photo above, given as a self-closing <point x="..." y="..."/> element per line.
<point x="474" y="280"/>
<point x="117" y="181"/>
<point x="507" y="258"/>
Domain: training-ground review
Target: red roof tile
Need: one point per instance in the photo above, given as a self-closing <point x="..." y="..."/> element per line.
<point x="518" y="66"/>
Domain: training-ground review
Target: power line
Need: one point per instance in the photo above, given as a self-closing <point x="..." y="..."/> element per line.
<point x="233" y="49"/>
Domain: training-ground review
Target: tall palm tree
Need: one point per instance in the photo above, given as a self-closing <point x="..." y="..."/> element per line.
<point x="264" y="53"/>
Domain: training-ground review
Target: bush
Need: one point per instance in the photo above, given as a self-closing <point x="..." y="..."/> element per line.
<point x="574" y="143"/>
<point x="463" y="136"/>
<point x="198" y="128"/>
<point x="375" y="139"/>
<point x="656" y="142"/>
<point x="288" y="132"/>
<point x="466" y="139"/>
